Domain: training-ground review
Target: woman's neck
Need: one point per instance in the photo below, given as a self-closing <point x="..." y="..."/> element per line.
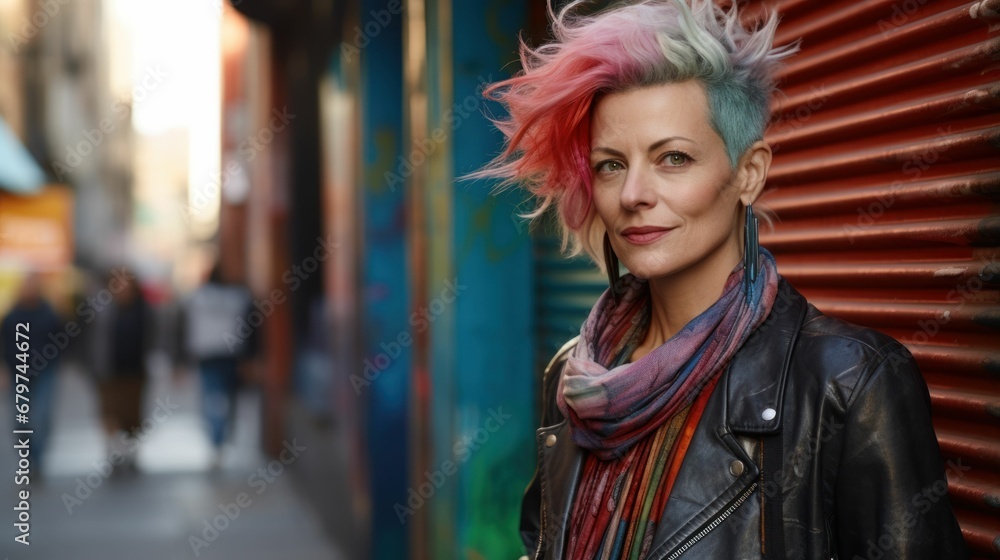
<point x="677" y="299"/>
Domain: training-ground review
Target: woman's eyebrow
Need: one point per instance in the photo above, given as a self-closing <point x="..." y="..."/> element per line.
<point x="659" y="143"/>
<point x="652" y="147"/>
<point x="609" y="151"/>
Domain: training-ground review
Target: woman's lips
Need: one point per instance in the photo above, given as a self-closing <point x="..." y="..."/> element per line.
<point x="644" y="235"/>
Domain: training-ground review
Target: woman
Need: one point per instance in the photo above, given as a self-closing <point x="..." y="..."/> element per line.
<point x="123" y="338"/>
<point x="706" y="410"/>
<point x="215" y="341"/>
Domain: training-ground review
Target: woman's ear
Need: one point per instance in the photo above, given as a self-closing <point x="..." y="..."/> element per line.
<point x="754" y="165"/>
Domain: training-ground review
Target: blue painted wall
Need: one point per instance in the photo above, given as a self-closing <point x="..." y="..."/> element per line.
<point x="484" y="420"/>
<point x="384" y="275"/>
<point x="480" y="294"/>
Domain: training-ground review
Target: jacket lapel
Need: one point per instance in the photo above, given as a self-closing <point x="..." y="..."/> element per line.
<point x="707" y="483"/>
<point x="755" y="382"/>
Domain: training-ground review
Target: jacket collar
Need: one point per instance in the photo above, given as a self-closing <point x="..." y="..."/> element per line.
<point x="755" y="384"/>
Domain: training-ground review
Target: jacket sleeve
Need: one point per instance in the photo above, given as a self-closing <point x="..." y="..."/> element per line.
<point x="892" y="489"/>
<point x="531" y="504"/>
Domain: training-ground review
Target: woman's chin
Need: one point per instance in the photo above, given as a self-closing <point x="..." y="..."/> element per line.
<point x="649" y="272"/>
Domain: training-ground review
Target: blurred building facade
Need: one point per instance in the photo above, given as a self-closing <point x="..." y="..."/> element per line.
<point x="421" y="339"/>
<point x="11" y="96"/>
<point x="57" y="73"/>
<point x="437" y="305"/>
<point x="77" y="98"/>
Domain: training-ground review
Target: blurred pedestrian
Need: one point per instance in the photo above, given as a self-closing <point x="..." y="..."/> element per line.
<point x="33" y="317"/>
<point x="123" y="336"/>
<point x="218" y="338"/>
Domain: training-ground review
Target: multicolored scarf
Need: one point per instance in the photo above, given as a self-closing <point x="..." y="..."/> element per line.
<point x="636" y="419"/>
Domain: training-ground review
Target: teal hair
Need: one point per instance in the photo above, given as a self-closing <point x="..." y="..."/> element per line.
<point x="735" y="65"/>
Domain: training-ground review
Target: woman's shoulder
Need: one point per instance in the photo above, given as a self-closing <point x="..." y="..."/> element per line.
<point x="815" y="331"/>
<point x="836" y="332"/>
<point x="555" y="364"/>
<point x="550" y="413"/>
<point x="848" y="356"/>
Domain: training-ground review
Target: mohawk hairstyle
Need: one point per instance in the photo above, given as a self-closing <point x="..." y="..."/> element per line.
<point x="652" y="42"/>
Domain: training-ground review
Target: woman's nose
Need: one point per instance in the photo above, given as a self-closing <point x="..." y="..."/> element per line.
<point x="637" y="191"/>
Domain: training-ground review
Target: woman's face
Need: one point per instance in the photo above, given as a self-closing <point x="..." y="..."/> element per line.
<point x="663" y="184"/>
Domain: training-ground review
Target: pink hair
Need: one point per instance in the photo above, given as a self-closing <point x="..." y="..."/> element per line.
<point x="549" y="102"/>
<point x="549" y="105"/>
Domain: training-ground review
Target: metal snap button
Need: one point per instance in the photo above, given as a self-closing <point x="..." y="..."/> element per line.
<point x="550" y="441"/>
<point x="768" y="414"/>
<point x="736" y="468"/>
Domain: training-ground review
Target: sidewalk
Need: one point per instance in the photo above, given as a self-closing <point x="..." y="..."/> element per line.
<point x="174" y="508"/>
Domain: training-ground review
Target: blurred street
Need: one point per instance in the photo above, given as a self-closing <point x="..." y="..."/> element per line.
<point x="152" y="514"/>
<point x="208" y="216"/>
<point x="245" y="240"/>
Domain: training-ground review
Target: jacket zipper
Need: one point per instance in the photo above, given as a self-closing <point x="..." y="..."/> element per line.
<point x="541" y="517"/>
<point x="715" y="523"/>
<point x="541" y="526"/>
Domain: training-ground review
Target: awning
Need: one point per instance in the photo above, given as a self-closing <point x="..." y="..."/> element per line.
<point x="19" y="173"/>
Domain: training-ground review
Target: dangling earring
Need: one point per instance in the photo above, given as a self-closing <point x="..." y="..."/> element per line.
<point x="611" y="265"/>
<point x="751" y="250"/>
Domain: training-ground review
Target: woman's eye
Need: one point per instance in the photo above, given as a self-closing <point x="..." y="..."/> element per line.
<point x="676" y="159"/>
<point x="609" y="166"/>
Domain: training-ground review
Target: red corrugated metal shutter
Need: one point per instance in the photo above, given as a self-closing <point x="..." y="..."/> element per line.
<point x="886" y="186"/>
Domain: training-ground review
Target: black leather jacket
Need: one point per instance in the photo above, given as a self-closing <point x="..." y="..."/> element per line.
<point x="844" y="408"/>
